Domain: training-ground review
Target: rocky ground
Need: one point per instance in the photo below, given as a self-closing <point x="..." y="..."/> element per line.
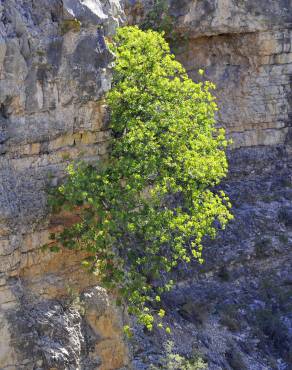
<point x="235" y="310"/>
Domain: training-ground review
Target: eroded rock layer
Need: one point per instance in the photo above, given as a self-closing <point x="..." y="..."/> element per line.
<point x="236" y="308"/>
<point x="54" y="72"/>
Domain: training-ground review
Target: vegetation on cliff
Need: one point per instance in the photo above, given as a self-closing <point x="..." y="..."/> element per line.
<point x="147" y="208"/>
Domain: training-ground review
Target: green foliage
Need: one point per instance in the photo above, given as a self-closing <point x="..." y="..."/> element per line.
<point x="75" y="301"/>
<point x="148" y="207"/>
<point x="174" y="361"/>
<point x="158" y="19"/>
<point x="270" y="324"/>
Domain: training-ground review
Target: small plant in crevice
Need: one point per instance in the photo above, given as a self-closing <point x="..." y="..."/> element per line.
<point x="263" y="247"/>
<point x="269" y="327"/>
<point x="147" y="207"/>
<point x="277" y="294"/>
<point x="69" y="25"/>
<point x="195" y="312"/>
<point x="174" y="361"/>
<point x="268" y="319"/>
<point x="75" y="301"/>
<point x="159" y="19"/>
<point x="230" y="317"/>
<point x="273" y="329"/>
<point x="154" y="18"/>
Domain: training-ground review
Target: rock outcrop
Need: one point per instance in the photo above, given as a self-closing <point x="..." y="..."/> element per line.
<point x="237" y="306"/>
<point x="54" y="72"/>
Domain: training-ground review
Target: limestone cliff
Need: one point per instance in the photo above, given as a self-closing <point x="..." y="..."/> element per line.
<point x="236" y="309"/>
<point x="54" y="70"/>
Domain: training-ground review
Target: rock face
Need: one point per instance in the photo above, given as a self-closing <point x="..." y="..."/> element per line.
<point x="54" y="71"/>
<point x="237" y="306"/>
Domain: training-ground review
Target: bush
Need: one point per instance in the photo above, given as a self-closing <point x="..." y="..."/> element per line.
<point x="230" y="317"/>
<point x="196" y="312"/>
<point x="174" y="361"/>
<point x="230" y="322"/>
<point x="70" y="25"/>
<point x="149" y="205"/>
<point x="263" y="247"/>
<point x="158" y="18"/>
<point x="273" y="328"/>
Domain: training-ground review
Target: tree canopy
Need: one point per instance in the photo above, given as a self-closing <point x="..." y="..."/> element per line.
<point x="148" y="206"/>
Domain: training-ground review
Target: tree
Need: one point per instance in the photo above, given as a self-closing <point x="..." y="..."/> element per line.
<point x="149" y="205"/>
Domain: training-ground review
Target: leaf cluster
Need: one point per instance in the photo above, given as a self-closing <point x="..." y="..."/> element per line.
<point x="174" y="361"/>
<point x="148" y="207"/>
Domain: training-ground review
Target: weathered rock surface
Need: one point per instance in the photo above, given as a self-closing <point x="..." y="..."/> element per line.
<point x="236" y="308"/>
<point x="54" y="71"/>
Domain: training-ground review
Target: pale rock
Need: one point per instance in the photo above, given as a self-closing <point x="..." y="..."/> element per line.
<point x="53" y="77"/>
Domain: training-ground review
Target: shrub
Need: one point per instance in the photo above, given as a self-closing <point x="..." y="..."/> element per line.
<point x="70" y="25"/>
<point x="159" y="19"/>
<point x="196" y="312"/>
<point x="271" y="325"/>
<point x="263" y="247"/>
<point x="230" y="317"/>
<point x="149" y="205"/>
<point x="173" y="361"/>
<point x="230" y="322"/>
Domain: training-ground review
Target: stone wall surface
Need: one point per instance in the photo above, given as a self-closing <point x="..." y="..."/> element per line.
<point x="54" y="71"/>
